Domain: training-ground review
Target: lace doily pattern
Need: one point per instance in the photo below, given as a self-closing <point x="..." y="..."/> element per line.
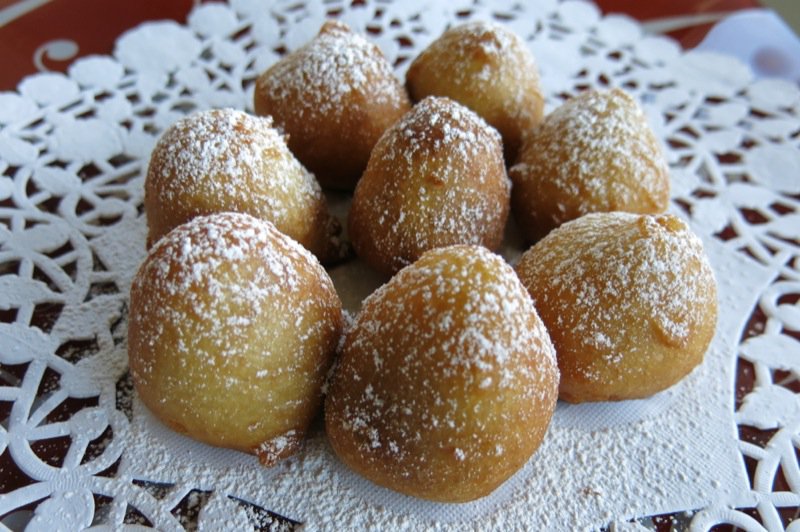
<point x="73" y="150"/>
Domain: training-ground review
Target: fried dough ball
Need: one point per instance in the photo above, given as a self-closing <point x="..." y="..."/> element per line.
<point x="447" y="379"/>
<point x="334" y="97"/>
<point x="630" y="302"/>
<point x="226" y="160"/>
<point x="233" y="326"/>
<point x="436" y="178"/>
<point x="595" y="153"/>
<point x="489" y="69"/>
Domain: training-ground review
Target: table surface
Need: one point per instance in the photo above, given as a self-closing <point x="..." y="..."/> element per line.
<point x="42" y="35"/>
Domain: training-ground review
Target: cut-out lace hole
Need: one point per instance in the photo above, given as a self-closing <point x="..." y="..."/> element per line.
<point x="753" y="216"/>
<point x="135" y="517"/>
<point x="45" y="315"/>
<point x="89" y="171"/>
<point x="111" y="471"/>
<point x="10" y="267"/>
<point x="101" y="289"/>
<point x="13" y="477"/>
<point x="5" y="411"/>
<point x="51" y="451"/>
<point x="189" y="508"/>
<point x="745" y="381"/>
<point x="40" y="275"/>
<point x="727" y="233"/>
<point x="50" y="382"/>
<point x="8" y="316"/>
<point x="102" y="509"/>
<point x="124" y="395"/>
<point x="97" y="446"/>
<point x="75" y="350"/>
<point x="69" y="407"/>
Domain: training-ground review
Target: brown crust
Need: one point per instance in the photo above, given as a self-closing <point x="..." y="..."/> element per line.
<point x="226" y="160"/>
<point x="232" y="329"/>
<point x="629" y="301"/>
<point x="487" y="68"/>
<point x="447" y="380"/>
<point x="334" y="97"/>
<point x="436" y="178"/>
<point x="595" y="153"/>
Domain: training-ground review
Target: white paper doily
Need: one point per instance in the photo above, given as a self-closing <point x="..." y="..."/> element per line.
<point x="79" y="451"/>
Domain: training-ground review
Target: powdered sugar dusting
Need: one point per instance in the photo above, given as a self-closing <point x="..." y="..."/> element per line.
<point x="489" y="69"/>
<point x="456" y="324"/>
<point x="502" y="57"/>
<point x="281" y="446"/>
<point x="594" y="153"/>
<point x="435" y="178"/>
<point x="650" y="267"/>
<point x="199" y="304"/>
<point x="334" y="97"/>
<point x="192" y="255"/>
<point x="227" y="160"/>
<point x="335" y="64"/>
<point x="490" y="292"/>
